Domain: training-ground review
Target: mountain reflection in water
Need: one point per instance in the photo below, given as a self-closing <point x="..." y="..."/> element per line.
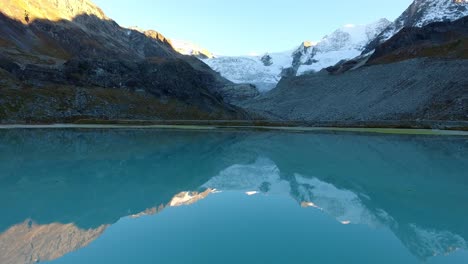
<point x="60" y="190"/>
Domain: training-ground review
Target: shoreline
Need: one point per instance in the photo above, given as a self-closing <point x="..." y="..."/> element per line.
<point x="227" y="125"/>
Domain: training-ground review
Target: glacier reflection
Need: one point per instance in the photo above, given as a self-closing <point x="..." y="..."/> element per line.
<point x="345" y="206"/>
<point x="60" y="190"/>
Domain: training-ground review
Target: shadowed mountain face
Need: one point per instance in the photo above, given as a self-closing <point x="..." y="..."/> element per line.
<point x="440" y="40"/>
<point x="53" y="56"/>
<point x="81" y="181"/>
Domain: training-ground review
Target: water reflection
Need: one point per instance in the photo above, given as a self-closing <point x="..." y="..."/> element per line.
<point x="29" y="242"/>
<point x="61" y="189"/>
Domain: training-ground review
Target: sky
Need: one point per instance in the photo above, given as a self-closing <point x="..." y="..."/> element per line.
<point x="242" y="27"/>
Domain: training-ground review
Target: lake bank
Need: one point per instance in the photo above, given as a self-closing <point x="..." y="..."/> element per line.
<point x="419" y="128"/>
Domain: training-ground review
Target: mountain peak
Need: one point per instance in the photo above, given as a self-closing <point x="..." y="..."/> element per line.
<point x="308" y="44"/>
<point x="421" y="13"/>
<point x="54" y="10"/>
<point x="188" y="48"/>
<point x="344" y="43"/>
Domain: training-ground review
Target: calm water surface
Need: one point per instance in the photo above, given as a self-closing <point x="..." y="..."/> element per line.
<point x="161" y="196"/>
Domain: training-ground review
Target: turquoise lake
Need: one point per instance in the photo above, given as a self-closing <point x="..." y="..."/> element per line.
<point x="180" y="196"/>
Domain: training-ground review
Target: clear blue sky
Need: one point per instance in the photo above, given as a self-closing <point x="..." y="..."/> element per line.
<point x="238" y="27"/>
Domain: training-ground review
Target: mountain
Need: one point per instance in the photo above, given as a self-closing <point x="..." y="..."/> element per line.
<point x="188" y="48"/>
<point x="421" y="13"/>
<point x="418" y="74"/>
<point x="439" y="39"/>
<point x="265" y="71"/>
<point x="262" y="71"/>
<point x="345" y="43"/>
<point x="66" y="60"/>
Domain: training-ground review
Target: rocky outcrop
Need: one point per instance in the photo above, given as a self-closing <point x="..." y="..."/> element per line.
<point x="267" y="60"/>
<point x="237" y="93"/>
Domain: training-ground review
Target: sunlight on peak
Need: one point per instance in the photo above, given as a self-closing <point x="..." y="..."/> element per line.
<point x="27" y="11"/>
<point x="309" y="44"/>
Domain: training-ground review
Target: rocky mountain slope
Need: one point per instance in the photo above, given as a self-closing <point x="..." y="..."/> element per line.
<point x="421" y="13"/>
<point x="419" y="74"/>
<point x="440" y="39"/>
<point x="65" y="60"/>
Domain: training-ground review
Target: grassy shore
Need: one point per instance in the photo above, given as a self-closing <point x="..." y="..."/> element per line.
<point x="414" y="128"/>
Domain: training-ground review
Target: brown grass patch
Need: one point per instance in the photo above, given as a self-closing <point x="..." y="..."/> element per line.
<point x="452" y="50"/>
<point x="42" y="105"/>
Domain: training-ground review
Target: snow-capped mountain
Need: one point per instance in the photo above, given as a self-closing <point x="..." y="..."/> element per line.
<point x="262" y="71"/>
<point x="421" y="13"/>
<point x="266" y="71"/>
<point x="188" y="48"/>
<point x="345" y="43"/>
